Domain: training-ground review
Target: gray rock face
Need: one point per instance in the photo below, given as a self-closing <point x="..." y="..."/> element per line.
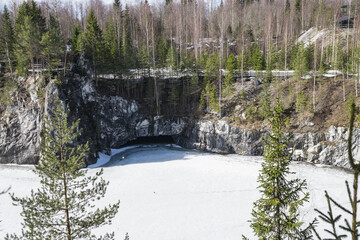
<point x="111" y="121"/>
<point x="21" y="122"/>
<point x="221" y="137"/>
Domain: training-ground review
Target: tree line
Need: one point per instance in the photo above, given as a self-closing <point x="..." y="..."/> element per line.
<point x="235" y="35"/>
<point x="177" y="34"/>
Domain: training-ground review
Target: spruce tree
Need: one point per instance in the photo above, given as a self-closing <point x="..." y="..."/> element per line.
<point x="162" y="50"/>
<point x="93" y="41"/>
<point x="303" y="60"/>
<point x="53" y="46"/>
<point x="127" y="51"/>
<point x="111" y="47"/>
<point x="276" y="213"/>
<point x="228" y="84"/>
<point x="7" y="38"/>
<point x="257" y="60"/>
<point x="29" y="27"/>
<point x="63" y="207"/>
<point x="209" y="94"/>
<point x="265" y="102"/>
<point x="171" y="58"/>
<point x="28" y="47"/>
<point x="75" y="38"/>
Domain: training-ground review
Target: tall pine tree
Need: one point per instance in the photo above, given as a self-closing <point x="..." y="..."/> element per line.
<point x="93" y="42"/>
<point x="63" y="207"/>
<point x="228" y="84"/>
<point x="127" y="51"/>
<point x="7" y="39"/>
<point x="52" y="43"/>
<point x="276" y="213"/>
<point x="29" y="27"/>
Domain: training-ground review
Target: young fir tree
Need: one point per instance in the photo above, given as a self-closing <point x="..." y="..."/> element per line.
<point x="265" y="102"/>
<point x="257" y="60"/>
<point x="63" y="207"/>
<point x="303" y="60"/>
<point x="228" y="84"/>
<point x="276" y="213"/>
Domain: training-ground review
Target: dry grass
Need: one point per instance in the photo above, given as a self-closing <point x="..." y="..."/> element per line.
<point x="329" y="108"/>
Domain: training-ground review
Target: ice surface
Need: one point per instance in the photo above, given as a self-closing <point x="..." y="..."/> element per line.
<point x="176" y="194"/>
<point x="104" y="159"/>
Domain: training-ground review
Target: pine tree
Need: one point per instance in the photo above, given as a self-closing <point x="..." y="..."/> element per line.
<point x="209" y="94"/>
<point x="94" y="41"/>
<point x="257" y="60"/>
<point x="127" y="51"/>
<point x="62" y="208"/>
<point x="303" y="60"/>
<point x="276" y="213"/>
<point x="228" y="84"/>
<point x="211" y="69"/>
<point x="29" y="28"/>
<point x="30" y="9"/>
<point x="271" y="60"/>
<point x="7" y="39"/>
<point x="162" y="50"/>
<point x="28" y="45"/>
<point x="75" y="38"/>
<point x="111" y="47"/>
<point x="52" y="43"/>
<point x="171" y="58"/>
<point x="265" y="102"/>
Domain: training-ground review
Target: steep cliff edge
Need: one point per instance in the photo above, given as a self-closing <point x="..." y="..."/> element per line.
<point x="110" y="121"/>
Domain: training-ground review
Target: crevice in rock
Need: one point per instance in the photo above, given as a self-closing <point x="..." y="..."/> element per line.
<point x="151" y="140"/>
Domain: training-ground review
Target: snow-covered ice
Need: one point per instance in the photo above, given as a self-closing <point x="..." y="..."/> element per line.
<point x="174" y="194"/>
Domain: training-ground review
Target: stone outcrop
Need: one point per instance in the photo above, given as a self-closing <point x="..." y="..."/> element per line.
<point x="110" y="121"/>
<point x="329" y="148"/>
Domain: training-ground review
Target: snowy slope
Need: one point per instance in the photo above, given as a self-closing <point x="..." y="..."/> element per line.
<point x="170" y="194"/>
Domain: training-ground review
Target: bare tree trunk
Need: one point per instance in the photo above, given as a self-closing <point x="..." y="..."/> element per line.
<point x="9" y="60"/>
<point x="65" y="60"/>
<point x="195" y="31"/>
<point x="66" y="202"/>
<point x="314" y="85"/>
<point x="220" y="88"/>
<point x="356" y="81"/>
<point x="286" y="40"/>
<point x="242" y="61"/>
<point x="155" y="78"/>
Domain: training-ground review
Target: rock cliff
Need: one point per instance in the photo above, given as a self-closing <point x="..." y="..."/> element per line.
<point x="110" y="121"/>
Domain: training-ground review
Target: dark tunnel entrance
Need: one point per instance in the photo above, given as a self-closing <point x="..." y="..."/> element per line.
<point x="151" y="140"/>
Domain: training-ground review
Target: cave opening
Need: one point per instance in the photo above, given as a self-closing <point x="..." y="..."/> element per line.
<point x="165" y="139"/>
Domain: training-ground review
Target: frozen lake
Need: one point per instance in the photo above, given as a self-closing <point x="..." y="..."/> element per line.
<point x="175" y="194"/>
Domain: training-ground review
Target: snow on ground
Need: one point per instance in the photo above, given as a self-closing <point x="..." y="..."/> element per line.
<point x="312" y="35"/>
<point x="175" y="194"/>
